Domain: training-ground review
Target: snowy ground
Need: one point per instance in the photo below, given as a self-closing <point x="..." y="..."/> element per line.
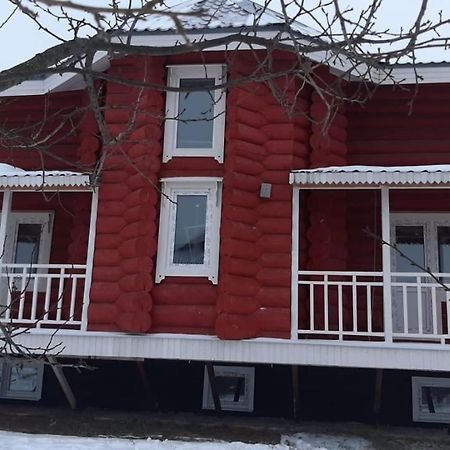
<point x="22" y="441"/>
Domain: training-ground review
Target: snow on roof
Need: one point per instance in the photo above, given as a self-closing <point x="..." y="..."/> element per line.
<point x="373" y="175"/>
<point x="216" y="14"/>
<point x="16" y="178"/>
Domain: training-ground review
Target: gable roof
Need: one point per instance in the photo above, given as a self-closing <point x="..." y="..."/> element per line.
<point x="207" y="19"/>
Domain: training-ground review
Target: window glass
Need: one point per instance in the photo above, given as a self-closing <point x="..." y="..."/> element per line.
<point x="195" y="114"/>
<point x="27" y="244"/>
<point x="189" y="245"/>
<point x="23" y="378"/>
<point x="410" y="241"/>
<point x="435" y="399"/>
<point x="443" y="236"/>
<point x="230" y="388"/>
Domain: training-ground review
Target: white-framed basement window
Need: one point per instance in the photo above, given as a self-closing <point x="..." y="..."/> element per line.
<point x="195" y="116"/>
<point x="431" y="399"/>
<point x="28" y="242"/>
<point x="235" y="386"/>
<point x="21" y="380"/>
<point x="188" y="240"/>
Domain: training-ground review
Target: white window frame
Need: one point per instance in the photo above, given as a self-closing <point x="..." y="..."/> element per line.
<point x="6" y="368"/>
<point x="17" y="218"/>
<point x="245" y="403"/>
<point x="175" y="74"/>
<point x="417" y="383"/>
<point x="171" y="188"/>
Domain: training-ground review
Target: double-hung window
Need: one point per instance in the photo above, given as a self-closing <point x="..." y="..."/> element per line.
<point x="195" y="112"/>
<point x="188" y="242"/>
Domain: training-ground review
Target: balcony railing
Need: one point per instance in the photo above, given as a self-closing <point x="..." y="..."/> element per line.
<point x="43" y="295"/>
<point x="351" y="305"/>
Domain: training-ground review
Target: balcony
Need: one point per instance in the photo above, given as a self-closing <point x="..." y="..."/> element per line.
<point x="352" y="305"/>
<point x="43" y="296"/>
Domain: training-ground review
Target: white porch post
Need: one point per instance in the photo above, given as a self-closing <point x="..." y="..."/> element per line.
<point x="89" y="258"/>
<point x="6" y="210"/>
<point x="387" y="289"/>
<point x="294" y="267"/>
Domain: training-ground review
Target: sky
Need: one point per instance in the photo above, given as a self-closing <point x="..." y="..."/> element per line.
<point x="21" y="38"/>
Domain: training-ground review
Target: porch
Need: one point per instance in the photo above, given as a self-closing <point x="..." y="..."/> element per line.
<point x="404" y="299"/>
<point x="47" y="221"/>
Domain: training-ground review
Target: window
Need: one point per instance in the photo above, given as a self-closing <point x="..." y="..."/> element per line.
<point x="235" y="386"/>
<point x="431" y="399"/>
<point x="28" y="240"/>
<point x="188" y="242"/>
<point x="195" y="116"/>
<point x="425" y="239"/>
<point x="21" y="380"/>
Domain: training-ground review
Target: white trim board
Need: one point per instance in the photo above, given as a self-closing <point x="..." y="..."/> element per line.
<point x="102" y="345"/>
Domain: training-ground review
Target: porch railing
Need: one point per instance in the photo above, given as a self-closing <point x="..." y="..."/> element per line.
<point x="43" y="295"/>
<point x="349" y="305"/>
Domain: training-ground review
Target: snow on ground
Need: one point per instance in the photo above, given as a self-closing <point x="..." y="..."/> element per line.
<point x="302" y="441"/>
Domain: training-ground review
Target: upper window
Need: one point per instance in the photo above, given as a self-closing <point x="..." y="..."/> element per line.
<point x="188" y="242"/>
<point x="195" y="112"/>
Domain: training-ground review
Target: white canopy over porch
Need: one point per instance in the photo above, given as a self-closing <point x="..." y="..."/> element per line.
<point x="384" y="179"/>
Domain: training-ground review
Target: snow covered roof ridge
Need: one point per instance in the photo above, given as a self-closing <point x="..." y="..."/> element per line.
<point x="217" y="14"/>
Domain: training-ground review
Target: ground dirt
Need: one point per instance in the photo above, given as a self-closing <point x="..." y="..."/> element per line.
<point x="95" y="422"/>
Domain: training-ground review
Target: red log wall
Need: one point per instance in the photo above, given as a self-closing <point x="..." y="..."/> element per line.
<point x="396" y="127"/>
<point x="54" y="128"/>
<point x="262" y="145"/>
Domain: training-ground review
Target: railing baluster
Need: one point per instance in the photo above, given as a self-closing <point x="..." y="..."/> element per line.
<point x="73" y="297"/>
<point x="369" y="307"/>
<point x="434" y="309"/>
<point x="419" y="304"/>
<point x="311" y="306"/>
<point x="354" y="304"/>
<point x="325" y="302"/>
<point x="60" y="294"/>
<point x="25" y="280"/>
<point x="47" y="297"/>
<point x="34" y="299"/>
<point x="340" y="313"/>
<point x="8" y="299"/>
<point x="405" y="309"/>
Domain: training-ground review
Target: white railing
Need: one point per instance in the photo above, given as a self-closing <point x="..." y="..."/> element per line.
<point x="349" y="305"/>
<point x="43" y="295"/>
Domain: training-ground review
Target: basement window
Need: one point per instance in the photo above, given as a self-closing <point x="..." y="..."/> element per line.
<point x="235" y="385"/>
<point x="188" y="240"/>
<point x="21" y="380"/>
<point x="431" y="399"/>
<point x="195" y="115"/>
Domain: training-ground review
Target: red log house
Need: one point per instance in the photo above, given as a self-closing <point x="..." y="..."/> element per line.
<point x="226" y="238"/>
